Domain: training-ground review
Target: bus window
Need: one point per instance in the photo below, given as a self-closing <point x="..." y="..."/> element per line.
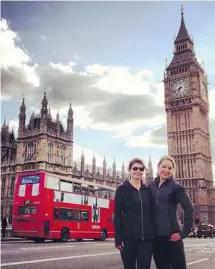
<point x="27" y="210"/>
<point x="31" y="179"/>
<point x="84" y="216"/>
<point x="84" y="190"/>
<point x="77" y="188"/>
<point x="111" y="194"/>
<point x="66" y="185"/>
<point x="55" y="214"/>
<point x="63" y="214"/>
<point x="97" y="192"/>
<point x="77" y="214"/>
<point x="52" y="183"/>
<point x="91" y="191"/>
<point x="104" y="193"/>
<point x="69" y="214"/>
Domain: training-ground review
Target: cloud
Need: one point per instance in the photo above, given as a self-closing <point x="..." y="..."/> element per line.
<point x="11" y="54"/>
<point x="153" y="138"/>
<point x="13" y="125"/>
<point x="122" y="108"/>
<point x="18" y="80"/>
<point x="16" y="73"/>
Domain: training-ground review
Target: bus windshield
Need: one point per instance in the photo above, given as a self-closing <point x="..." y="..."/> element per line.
<point x="30" y="179"/>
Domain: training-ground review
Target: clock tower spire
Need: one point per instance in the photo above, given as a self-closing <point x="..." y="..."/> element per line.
<point x="187" y="107"/>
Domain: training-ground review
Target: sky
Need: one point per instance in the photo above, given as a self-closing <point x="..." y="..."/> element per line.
<point x="109" y="58"/>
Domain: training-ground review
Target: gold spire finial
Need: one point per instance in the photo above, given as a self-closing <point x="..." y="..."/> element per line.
<point x="182" y="10"/>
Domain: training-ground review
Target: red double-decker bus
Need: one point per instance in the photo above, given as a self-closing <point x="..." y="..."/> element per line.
<point x="50" y="206"/>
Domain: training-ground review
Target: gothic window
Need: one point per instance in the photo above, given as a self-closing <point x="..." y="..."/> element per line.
<point x="30" y="150"/>
<point x="62" y="154"/>
<point x="12" y="184"/>
<point x="3" y="185"/>
<point x="50" y="152"/>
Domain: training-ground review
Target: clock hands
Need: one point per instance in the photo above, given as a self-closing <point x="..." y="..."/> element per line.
<point x="178" y="90"/>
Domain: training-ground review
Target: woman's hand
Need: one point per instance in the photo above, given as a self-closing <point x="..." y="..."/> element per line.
<point x="175" y="237"/>
<point x="121" y="246"/>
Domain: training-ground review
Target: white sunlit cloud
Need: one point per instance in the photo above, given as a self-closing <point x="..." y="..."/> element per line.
<point x="121" y="80"/>
<point x="11" y="55"/>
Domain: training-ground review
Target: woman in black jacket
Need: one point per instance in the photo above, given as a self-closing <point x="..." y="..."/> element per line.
<point x="168" y="249"/>
<point x="134" y="232"/>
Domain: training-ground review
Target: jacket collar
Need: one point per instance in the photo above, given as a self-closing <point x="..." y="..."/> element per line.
<point x="128" y="184"/>
<point x="157" y="180"/>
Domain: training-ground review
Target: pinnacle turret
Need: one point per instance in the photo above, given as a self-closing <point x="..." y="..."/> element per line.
<point x="22" y="118"/>
<point x="183" y="34"/>
<point x="44" y="109"/>
<point x="23" y="107"/>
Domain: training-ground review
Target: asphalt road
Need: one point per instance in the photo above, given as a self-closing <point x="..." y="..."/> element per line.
<point x="200" y="254"/>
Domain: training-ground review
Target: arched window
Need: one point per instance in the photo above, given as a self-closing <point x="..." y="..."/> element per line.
<point x="50" y="152"/>
<point x="30" y="150"/>
<point x="62" y="154"/>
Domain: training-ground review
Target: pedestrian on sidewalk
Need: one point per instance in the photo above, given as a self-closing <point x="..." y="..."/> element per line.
<point x="133" y="223"/>
<point x="168" y="250"/>
<point x="4" y="226"/>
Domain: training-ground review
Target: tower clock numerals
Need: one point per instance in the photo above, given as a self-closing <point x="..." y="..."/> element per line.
<point x="203" y="90"/>
<point x="180" y="88"/>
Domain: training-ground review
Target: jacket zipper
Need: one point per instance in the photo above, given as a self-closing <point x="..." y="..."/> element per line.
<point x="141" y="202"/>
<point x="157" y="194"/>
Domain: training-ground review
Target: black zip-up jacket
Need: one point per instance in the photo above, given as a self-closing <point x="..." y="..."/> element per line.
<point x="166" y="198"/>
<point x="133" y="216"/>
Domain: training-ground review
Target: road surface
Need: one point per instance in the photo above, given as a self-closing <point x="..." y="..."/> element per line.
<point x="200" y="254"/>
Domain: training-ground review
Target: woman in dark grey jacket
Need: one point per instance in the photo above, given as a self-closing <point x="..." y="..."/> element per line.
<point x="168" y="249"/>
<point x="134" y="230"/>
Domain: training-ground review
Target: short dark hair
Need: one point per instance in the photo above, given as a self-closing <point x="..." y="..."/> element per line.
<point x="136" y="160"/>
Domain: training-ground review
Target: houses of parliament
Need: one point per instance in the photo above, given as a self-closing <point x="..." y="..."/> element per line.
<point x="45" y="144"/>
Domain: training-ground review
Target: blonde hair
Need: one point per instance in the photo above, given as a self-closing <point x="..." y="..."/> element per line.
<point x="168" y="158"/>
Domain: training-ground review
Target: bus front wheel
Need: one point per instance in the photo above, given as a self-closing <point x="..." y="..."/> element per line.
<point x="65" y="235"/>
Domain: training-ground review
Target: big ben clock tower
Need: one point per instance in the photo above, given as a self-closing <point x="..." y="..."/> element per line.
<point x="187" y="107"/>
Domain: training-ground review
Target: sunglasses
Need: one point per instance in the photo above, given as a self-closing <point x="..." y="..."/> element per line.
<point x="138" y="168"/>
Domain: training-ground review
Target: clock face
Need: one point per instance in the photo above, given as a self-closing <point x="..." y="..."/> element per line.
<point x="180" y="88"/>
<point x="203" y="90"/>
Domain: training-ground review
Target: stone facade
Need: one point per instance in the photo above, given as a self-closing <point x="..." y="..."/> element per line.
<point x="187" y="107"/>
<point x="44" y="144"/>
